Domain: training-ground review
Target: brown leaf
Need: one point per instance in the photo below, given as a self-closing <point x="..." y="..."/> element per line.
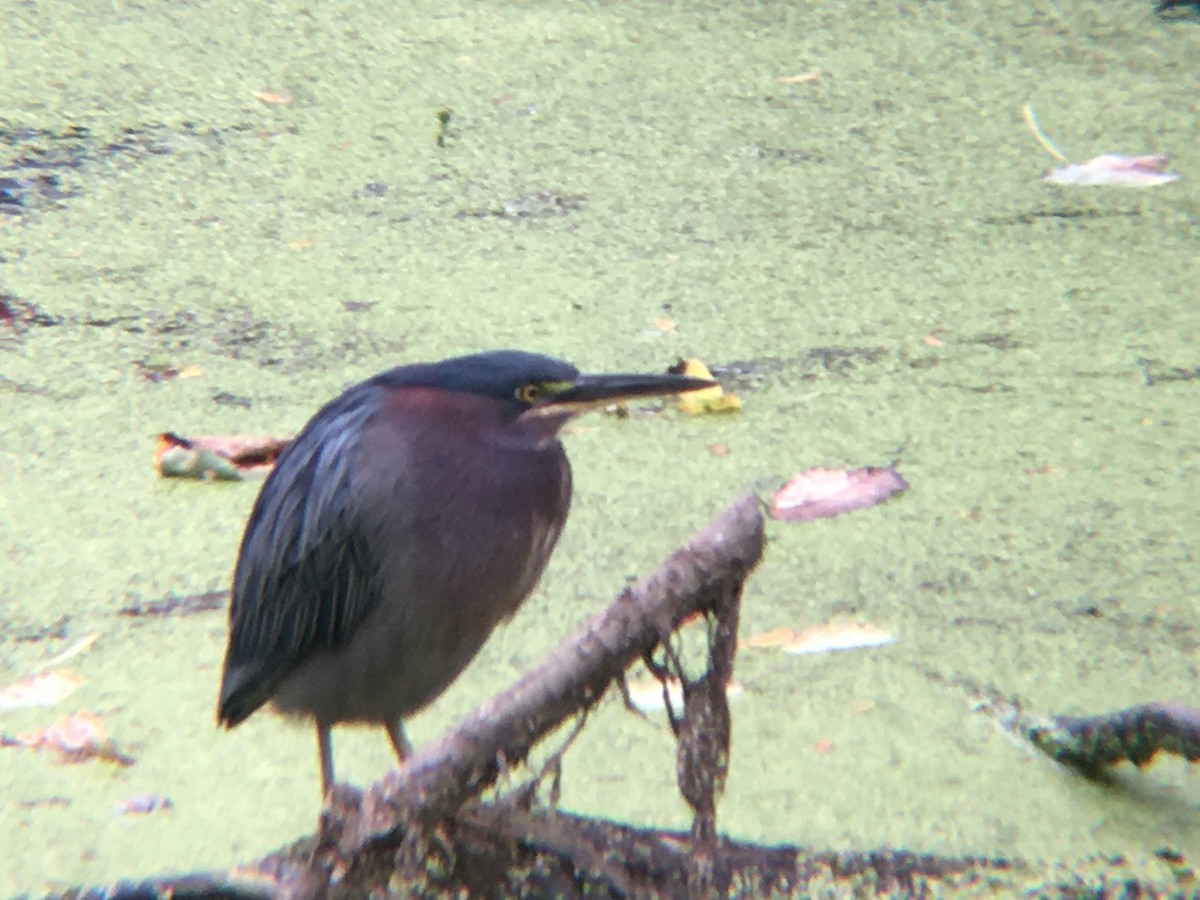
<point x="144" y="804"/>
<point x="220" y="457"/>
<point x="183" y="606"/>
<point x="74" y="739"/>
<point x="824" y="493"/>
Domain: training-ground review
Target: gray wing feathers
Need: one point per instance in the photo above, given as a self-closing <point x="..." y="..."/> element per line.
<point x="305" y="577"/>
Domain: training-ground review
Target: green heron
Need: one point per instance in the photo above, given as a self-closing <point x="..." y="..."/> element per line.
<point x="410" y="516"/>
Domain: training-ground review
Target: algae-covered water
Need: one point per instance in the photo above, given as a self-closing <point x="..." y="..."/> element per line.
<point x="867" y="252"/>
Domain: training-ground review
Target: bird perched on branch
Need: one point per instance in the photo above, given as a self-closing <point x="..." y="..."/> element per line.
<point x="412" y="515"/>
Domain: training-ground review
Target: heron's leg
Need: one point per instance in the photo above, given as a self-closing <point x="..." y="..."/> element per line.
<point x="325" y="748"/>
<point x="399" y="740"/>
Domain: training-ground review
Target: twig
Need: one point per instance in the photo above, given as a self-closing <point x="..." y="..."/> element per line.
<point x="1091" y="744"/>
<point x="1042" y="137"/>
<point x="435" y="783"/>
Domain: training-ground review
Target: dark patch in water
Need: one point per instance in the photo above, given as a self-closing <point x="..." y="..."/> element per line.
<point x="40" y="168"/>
<point x="1156" y="372"/>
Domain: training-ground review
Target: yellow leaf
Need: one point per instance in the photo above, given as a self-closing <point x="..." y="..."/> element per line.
<point x="812" y="76"/>
<point x="709" y="400"/>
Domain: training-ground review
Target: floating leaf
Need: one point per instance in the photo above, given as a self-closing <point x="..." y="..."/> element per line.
<point x="708" y="400"/>
<point x="144" y="804"/>
<point x="172" y="605"/>
<point x="776" y="637"/>
<point x="45" y="689"/>
<point x="837" y="636"/>
<point x="809" y="77"/>
<point x="1114" y="170"/>
<point x="273" y="98"/>
<point x="74" y="739"/>
<point x="180" y="462"/>
<point x="646" y="694"/>
<point x="824" y="493"/>
<point x="1110" y="169"/>
<point x="222" y="458"/>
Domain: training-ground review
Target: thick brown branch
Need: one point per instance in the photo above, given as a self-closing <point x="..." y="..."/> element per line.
<point x="435" y="783"/>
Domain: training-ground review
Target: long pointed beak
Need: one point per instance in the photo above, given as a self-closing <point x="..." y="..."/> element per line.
<point x="594" y="390"/>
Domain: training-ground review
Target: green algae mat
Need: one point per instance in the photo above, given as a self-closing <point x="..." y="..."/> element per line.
<point x="215" y="216"/>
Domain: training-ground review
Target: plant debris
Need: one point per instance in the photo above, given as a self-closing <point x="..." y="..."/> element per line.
<point x="1108" y="169"/>
<point x="77" y="738"/>
<point x="215" y="458"/>
<point x="144" y="804"/>
<point x="708" y="400"/>
<point x="1115" y="170"/>
<point x="824" y="493"/>
<point x="172" y="605"/>
<point x="44" y="689"/>
<point x="820" y="638"/>
<point x="1137" y="735"/>
<point x="837" y="636"/>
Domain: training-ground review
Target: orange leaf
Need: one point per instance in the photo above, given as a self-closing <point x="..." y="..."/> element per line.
<point x="273" y="98"/>
<point x="776" y="637"/>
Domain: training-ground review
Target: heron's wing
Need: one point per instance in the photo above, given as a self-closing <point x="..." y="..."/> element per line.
<point x="305" y="577"/>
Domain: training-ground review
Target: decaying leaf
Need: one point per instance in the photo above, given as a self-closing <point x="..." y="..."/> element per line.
<point x="1114" y="170"/>
<point x="223" y="458"/>
<point x="176" y="605"/>
<point x="824" y="493"/>
<point x="44" y="689"/>
<point x="144" y="804"/>
<point x="709" y="400"/>
<point x="74" y="739"/>
<point x="646" y="694"/>
<point x="1109" y="169"/>
<point x="273" y="98"/>
<point x="837" y="636"/>
<point x="776" y="637"/>
<point x="813" y="75"/>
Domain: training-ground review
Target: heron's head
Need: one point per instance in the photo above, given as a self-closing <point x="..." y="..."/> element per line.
<point x="535" y="392"/>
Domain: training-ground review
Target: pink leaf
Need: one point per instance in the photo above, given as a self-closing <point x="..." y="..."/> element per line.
<point x="824" y="493"/>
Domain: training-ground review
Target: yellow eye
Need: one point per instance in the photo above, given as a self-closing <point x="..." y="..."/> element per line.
<point x="529" y="393"/>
